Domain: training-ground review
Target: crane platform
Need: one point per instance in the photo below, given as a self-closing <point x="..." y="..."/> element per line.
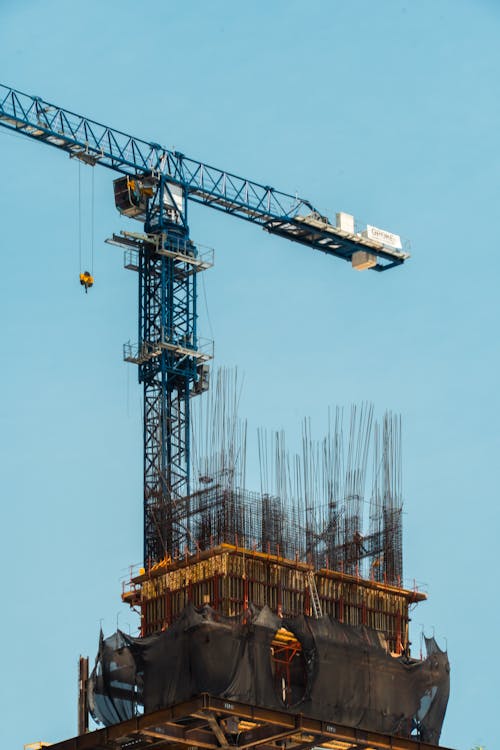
<point x="212" y="723"/>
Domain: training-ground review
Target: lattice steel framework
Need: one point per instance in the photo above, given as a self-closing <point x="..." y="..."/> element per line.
<point x="168" y="361"/>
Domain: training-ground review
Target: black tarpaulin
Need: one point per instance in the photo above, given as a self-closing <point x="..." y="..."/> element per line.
<point x="114" y="684"/>
<point x="347" y="675"/>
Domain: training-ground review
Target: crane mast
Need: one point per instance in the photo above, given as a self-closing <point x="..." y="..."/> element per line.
<point x="155" y="187"/>
<point x="170" y="364"/>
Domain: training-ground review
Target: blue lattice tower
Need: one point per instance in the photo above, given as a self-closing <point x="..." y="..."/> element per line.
<point x="167" y="354"/>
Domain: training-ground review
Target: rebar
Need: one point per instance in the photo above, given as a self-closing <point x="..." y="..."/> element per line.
<point x="311" y="504"/>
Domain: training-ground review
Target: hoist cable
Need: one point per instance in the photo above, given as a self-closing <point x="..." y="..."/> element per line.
<point x="92" y="227"/>
<point x="79" y="218"/>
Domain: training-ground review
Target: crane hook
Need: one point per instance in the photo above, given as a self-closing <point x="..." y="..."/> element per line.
<point x="86" y="280"/>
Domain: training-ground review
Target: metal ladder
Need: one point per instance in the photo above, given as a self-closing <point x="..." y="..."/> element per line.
<point x="316" y="604"/>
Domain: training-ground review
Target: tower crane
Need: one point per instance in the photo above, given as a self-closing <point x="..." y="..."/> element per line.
<point x="155" y="186"/>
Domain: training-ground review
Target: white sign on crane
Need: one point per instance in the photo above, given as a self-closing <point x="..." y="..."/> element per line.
<point x="381" y="235"/>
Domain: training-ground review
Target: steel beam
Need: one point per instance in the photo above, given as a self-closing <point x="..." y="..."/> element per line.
<point x="171" y="727"/>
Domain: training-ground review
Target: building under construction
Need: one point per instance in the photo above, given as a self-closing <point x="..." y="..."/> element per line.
<point x="290" y="598"/>
<point x="309" y="542"/>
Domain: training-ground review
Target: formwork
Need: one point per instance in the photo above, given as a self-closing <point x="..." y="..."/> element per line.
<point x="230" y="578"/>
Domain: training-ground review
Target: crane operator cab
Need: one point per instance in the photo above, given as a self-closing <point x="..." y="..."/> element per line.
<point x="131" y="196"/>
<point x="86" y="280"/>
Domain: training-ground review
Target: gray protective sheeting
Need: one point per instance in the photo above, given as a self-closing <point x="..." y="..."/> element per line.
<point x="113" y="689"/>
<point x="349" y="677"/>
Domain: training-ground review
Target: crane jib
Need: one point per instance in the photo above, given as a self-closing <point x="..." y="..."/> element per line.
<point x="279" y="213"/>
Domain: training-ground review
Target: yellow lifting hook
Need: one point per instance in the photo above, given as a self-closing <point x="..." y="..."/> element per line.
<point x="86" y="280"/>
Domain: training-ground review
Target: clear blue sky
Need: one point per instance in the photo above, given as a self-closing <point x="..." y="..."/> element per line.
<point x="389" y="110"/>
